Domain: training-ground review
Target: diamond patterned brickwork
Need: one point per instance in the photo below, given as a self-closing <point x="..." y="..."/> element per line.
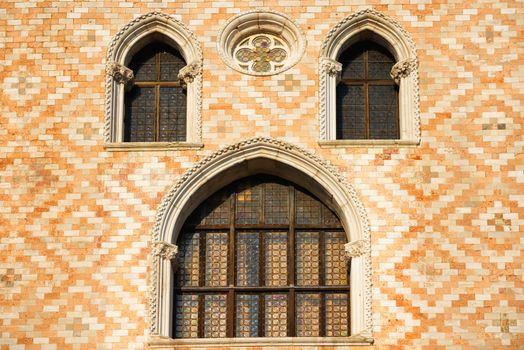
<point x="446" y="217"/>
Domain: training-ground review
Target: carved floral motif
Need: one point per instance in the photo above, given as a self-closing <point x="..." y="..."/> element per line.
<point x="165" y="250"/>
<point x="120" y="73"/>
<point x="355" y="249"/>
<point x="330" y="66"/>
<point x="403" y="69"/>
<point x="190" y="72"/>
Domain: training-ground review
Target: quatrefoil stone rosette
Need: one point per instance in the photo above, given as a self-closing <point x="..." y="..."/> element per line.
<point x="261" y="42"/>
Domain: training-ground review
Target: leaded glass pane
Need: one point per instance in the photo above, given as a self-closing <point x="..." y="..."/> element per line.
<point x="247" y="247"/>
<point x="336" y="314"/>
<point x="172" y="114"/>
<point x="170" y="64"/>
<point x="335" y="270"/>
<point x="216" y="259"/>
<point x="351" y="117"/>
<point x="144" y="64"/>
<point x="247" y="315"/>
<point x="276" y="206"/>
<point x="379" y="64"/>
<point x="140" y="115"/>
<point x="248" y="205"/>
<point x="308" y="315"/>
<point x="308" y="209"/>
<point x="215" y="316"/>
<point x="329" y="217"/>
<point x="307" y="258"/>
<point x="353" y="65"/>
<point x="186" y="316"/>
<point x="275" y="322"/>
<point x="188" y="259"/>
<point x="276" y="258"/>
<point x="383" y="109"/>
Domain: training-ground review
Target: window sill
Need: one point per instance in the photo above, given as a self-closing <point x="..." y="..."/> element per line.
<point x="367" y="143"/>
<point x="165" y="343"/>
<point x="150" y="146"/>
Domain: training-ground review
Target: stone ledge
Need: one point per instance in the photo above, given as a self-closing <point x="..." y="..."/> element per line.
<point x="367" y="143"/>
<point x="339" y="343"/>
<point x="150" y="146"/>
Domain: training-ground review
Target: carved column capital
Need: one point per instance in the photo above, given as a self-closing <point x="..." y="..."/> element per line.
<point x="354" y="249"/>
<point x="330" y="66"/>
<point x="120" y="73"/>
<point x="190" y="72"/>
<point x="402" y="69"/>
<point x="165" y="250"/>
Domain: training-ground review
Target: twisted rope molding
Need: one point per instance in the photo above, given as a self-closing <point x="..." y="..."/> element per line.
<point x="237" y="148"/>
<point x="374" y="15"/>
<point x="111" y="59"/>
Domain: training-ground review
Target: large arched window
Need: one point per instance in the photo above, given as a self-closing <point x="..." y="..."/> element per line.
<point x="155" y="105"/>
<point x="261" y="258"/>
<point x="367" y="96"/>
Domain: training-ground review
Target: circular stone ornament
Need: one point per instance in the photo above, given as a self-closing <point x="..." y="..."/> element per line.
<point x="261" y="42"/>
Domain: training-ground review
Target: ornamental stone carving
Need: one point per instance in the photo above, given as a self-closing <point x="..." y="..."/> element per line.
<point x="120" y="73"/>
<point x="165" y="250"/>
<point x="188" y="74"/>
<point x="330" y="66"/>
<point x="355" y="249"/>
<point x="403" y="69"/>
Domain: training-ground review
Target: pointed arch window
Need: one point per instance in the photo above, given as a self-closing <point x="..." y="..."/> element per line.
<point x="367" y="95"/>
<point x="155" y="104"/>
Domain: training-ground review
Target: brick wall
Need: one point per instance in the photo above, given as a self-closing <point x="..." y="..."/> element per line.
<point x="446" y="216"/>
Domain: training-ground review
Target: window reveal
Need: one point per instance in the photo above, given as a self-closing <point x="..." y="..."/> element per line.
<point x="261" y="258"/>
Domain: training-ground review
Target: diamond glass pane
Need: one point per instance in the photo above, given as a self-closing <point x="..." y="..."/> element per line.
<point x="276" y="204"/>
<point x="383" y="117"/>
<point x="247" y="247"/>
<point x="140" y="115"/>
<point x="172" y="114"/>
<point x="247" y="309"/>
<point x="336" y="314"/>
<point x="276" y="258"/>
<point x="188" y="258"/>
<point x="215" y="316"/>
<point x="170" y="64"/>
<point x="275" y="322"/>
<point x="307" y="258"/>
<point x="248" y="205"/>
<point x="308" y="209"/>
<point x="308" y="315"/>
<point x="186" y="316"/>
<point x="380" y="63"/>
<point x="335" y="271"/>
<point x="351" y="117"/>
<point x="216" y="259"/>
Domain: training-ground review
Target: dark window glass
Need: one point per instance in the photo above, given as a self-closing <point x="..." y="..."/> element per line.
<point x="274" y="267"/>
<point x="156" y="103"/>
<point x="367" y="96"/>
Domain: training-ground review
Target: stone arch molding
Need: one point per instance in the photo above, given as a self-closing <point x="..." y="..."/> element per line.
<point x="254" y="156"/>
<point x="131" y="38"/>
<point x="370" y="24"/>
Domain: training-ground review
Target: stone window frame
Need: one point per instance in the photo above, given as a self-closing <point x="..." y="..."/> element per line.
<point x="370" y="25"/>
<point x="259" y="156"/>
<point x="153" y="26"/>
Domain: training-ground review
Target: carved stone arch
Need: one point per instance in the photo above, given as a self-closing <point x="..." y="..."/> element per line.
<point x="131" y="38"/>
<point x="261" y="156"/>
<point x="370" y="24"/>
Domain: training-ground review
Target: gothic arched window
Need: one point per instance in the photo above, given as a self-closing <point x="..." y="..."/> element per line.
<point x="261" y="258"/>
<point x="155" y="105"/>
<point x="367" y="95"/>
